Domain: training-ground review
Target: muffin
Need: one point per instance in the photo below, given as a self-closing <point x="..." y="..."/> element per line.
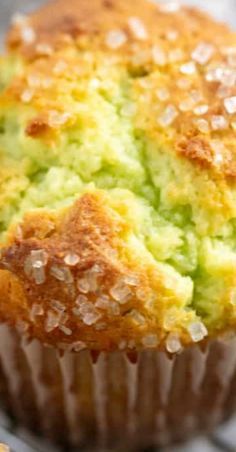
<point x="4" y="448"/>
<point x="118" y="222"/>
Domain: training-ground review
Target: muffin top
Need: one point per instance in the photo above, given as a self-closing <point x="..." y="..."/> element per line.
<point x="4" y="448"/>
<point x="118" y="171"/>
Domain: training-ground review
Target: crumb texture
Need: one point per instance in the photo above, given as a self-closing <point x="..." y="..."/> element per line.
<point x="117" y="173"/>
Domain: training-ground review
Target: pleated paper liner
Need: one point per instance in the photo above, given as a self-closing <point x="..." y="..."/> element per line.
<point x="116" y="400"/>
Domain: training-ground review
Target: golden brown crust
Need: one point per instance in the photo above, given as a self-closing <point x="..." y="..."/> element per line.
<point x="77" y="18"/>
<point x="38" y="127"/>
<point x="70" y="278"/>
<point x="184" y="52"/>
<point x="46" y="300"/>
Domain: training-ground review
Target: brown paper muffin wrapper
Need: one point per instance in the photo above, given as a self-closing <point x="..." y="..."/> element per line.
<point x="114" y="400"/>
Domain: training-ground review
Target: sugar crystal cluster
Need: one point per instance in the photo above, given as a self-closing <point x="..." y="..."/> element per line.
<point x="117" y="203"/>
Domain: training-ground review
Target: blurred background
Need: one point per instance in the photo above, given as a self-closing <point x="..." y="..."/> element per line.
<point x="224" y="439"/>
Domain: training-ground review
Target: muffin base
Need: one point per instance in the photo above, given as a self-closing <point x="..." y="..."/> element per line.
<point x="117" y="400"/>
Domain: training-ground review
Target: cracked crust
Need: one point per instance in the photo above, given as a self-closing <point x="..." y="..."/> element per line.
<point x="85" y="25"/>
<point x="83" y="262"/>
